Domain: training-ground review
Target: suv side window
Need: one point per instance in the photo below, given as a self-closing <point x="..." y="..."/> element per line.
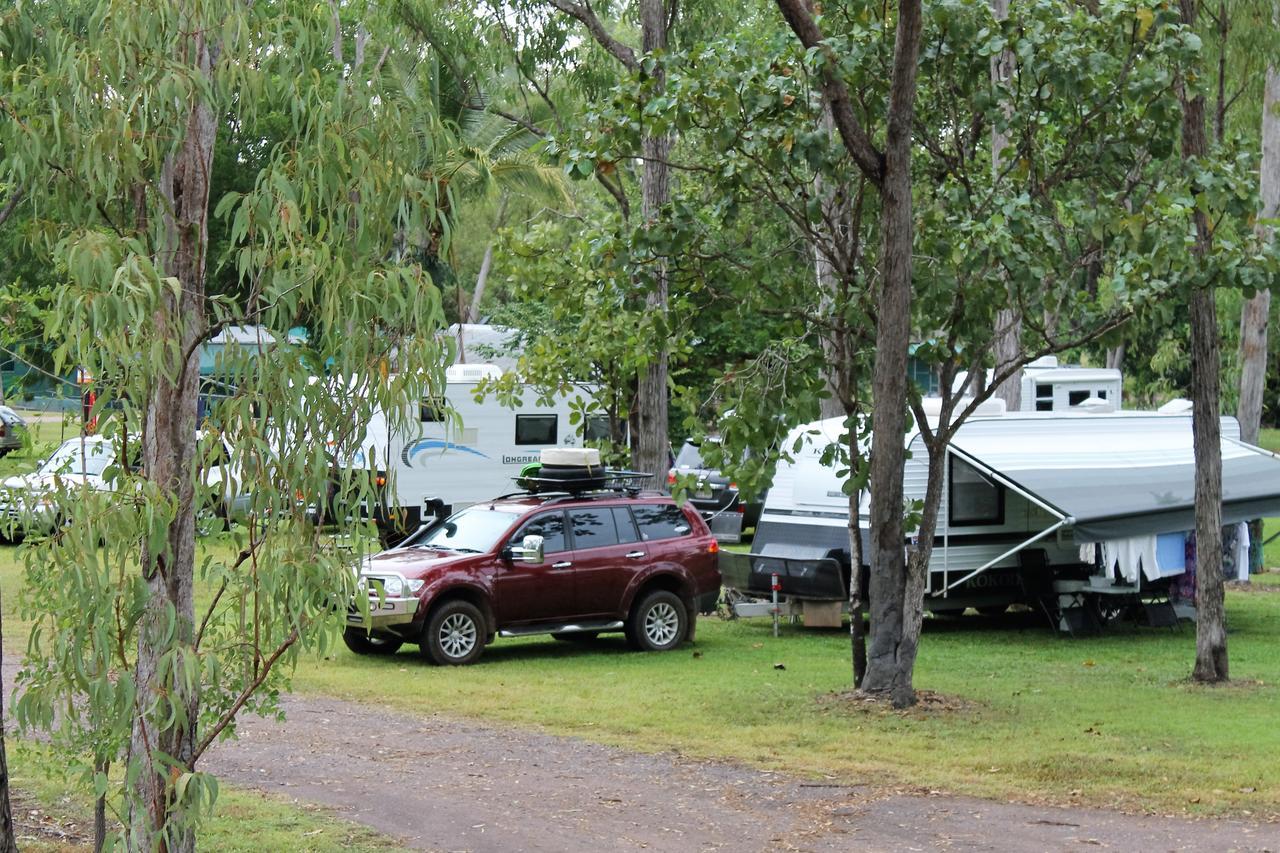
<point x="592" y="528"/>
<point x="660" y="521"/>
<point x="548" y="525"/>
<point x="626" y="527"/>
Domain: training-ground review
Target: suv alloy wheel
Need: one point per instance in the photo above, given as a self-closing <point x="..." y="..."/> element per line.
<point x="658" y="622"/>
<point x="454" y="634"/>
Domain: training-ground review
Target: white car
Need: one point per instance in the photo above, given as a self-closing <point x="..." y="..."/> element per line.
<point x="222" y="476"/>
<point x="27" y="502"/>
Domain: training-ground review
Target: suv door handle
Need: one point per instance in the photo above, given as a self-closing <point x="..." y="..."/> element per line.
<point x="635" y="555"/>
<point x="563" y="564"/>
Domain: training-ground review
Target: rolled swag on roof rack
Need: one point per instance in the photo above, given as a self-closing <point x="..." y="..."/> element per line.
<point x="576" y="470"/>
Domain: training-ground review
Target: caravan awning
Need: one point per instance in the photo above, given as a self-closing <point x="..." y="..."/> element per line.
<point x="1119" y="475"/>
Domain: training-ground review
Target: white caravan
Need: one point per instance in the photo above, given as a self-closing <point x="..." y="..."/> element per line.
<point x="438" y="465"/>
<point x="1029" y="503"/>
<point x="1050" y="387"/>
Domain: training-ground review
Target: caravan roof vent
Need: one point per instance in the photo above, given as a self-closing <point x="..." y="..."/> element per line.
<point x="472" y="372"/>
<point x="1094" y="406"/>
<point x="1176" y="406"/>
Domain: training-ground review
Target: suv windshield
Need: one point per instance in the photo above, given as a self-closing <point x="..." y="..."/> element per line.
<point x="473" y="530"/>
<point x="70" y="458"/>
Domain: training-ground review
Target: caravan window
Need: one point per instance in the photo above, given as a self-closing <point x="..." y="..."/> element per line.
<point x="596" y="428"/>
<point x="431" y="410"/>
<point x="974" y="498"/>
<point x="537" y="429"/>
<point x="1044" y="398"/>
<point x="1075" y="398"/>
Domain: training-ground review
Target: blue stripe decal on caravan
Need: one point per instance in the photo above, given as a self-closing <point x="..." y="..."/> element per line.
<point x="422" y="445"/>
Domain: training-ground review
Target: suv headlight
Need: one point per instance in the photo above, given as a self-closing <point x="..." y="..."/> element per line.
<point x="393" y="587"/>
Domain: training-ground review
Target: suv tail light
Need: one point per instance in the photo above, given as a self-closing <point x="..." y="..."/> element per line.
<point x="671" y="477"/>
<point x="714" y="547"/>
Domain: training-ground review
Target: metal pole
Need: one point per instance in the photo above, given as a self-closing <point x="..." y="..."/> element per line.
<point x="776" y="610"/>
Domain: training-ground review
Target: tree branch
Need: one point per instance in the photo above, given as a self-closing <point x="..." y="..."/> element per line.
<point x="864" y="153"/>
<point x="15" y="198"/>
<point x="588" y="19"/>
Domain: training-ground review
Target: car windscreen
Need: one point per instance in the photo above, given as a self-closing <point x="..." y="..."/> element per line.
<point x="73" y="458"/>
<point x="474" y="530"/>
<point x="690" y="457"/>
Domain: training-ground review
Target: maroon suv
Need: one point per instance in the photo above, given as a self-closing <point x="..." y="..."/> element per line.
<point x="570" y="566"/>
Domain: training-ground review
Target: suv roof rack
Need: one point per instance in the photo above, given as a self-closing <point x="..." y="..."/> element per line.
<point x="611" y="483"/>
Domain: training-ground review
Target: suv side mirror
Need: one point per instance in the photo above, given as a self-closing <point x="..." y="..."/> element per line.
<point x="532" y="550"/>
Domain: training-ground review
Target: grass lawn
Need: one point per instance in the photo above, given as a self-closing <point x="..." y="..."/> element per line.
<point x="48" y="805"/>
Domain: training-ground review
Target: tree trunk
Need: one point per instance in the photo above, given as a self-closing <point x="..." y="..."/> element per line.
<point x="1211" y="634"/>
<point x="1211" y="631"/>
<point x="1115" y="356"/>
<point x="832" y="232"/>
<point x="477" y="295"/>
<point x="100" y="812"/>
<point x="918" y="574"/>
<point x="8" y="839"/>
<point x="1008" y="342"/>
<point x="652" y="449"/>
<point x="885" y="665"/>
<point x="1257" y="311"/>
<point x="165" y="724"/>
<point x="857" y="639"/>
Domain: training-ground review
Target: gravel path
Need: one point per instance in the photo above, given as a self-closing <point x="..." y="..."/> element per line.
<point x="446" y="784"/>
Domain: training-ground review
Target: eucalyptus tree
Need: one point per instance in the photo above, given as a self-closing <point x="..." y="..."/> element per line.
<point x="113" y="109"/>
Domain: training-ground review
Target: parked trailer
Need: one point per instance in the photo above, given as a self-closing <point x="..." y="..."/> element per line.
<point x="1022" y="493"/>
<point x="444" y="463"/>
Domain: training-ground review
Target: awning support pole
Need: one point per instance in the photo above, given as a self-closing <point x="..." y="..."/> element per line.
<point x="1015" y="549"/>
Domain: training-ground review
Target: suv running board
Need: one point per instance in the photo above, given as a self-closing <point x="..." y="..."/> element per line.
<point x="562" y="628"/>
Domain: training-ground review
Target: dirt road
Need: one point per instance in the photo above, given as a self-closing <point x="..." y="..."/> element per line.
<point x="445" y="784"/>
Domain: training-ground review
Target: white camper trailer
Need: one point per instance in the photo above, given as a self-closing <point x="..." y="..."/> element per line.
<point x="1050" y="387"/>
<point x="1029" y="502"/>
<point x="444" y="463"/>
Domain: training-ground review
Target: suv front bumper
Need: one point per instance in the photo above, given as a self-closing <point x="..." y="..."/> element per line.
<point x="384" y="610"/>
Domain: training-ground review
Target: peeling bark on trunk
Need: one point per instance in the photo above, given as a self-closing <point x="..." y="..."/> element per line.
<point x="1211" y="634"/>
<point x="651" y="452"/>
<point x="888" y="673"/>
<point x="168" y="448"/>
<point x="1256" y="315"/>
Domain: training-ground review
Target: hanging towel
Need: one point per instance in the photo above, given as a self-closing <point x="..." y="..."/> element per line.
<point x="1242" y="551"/>
<point x="1171" y="554"/>
<point x="1132" y="557"/>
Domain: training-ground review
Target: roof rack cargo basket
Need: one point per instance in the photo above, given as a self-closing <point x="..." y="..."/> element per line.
<point x="597" y="480"/>
<point x="575" y="470"/>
